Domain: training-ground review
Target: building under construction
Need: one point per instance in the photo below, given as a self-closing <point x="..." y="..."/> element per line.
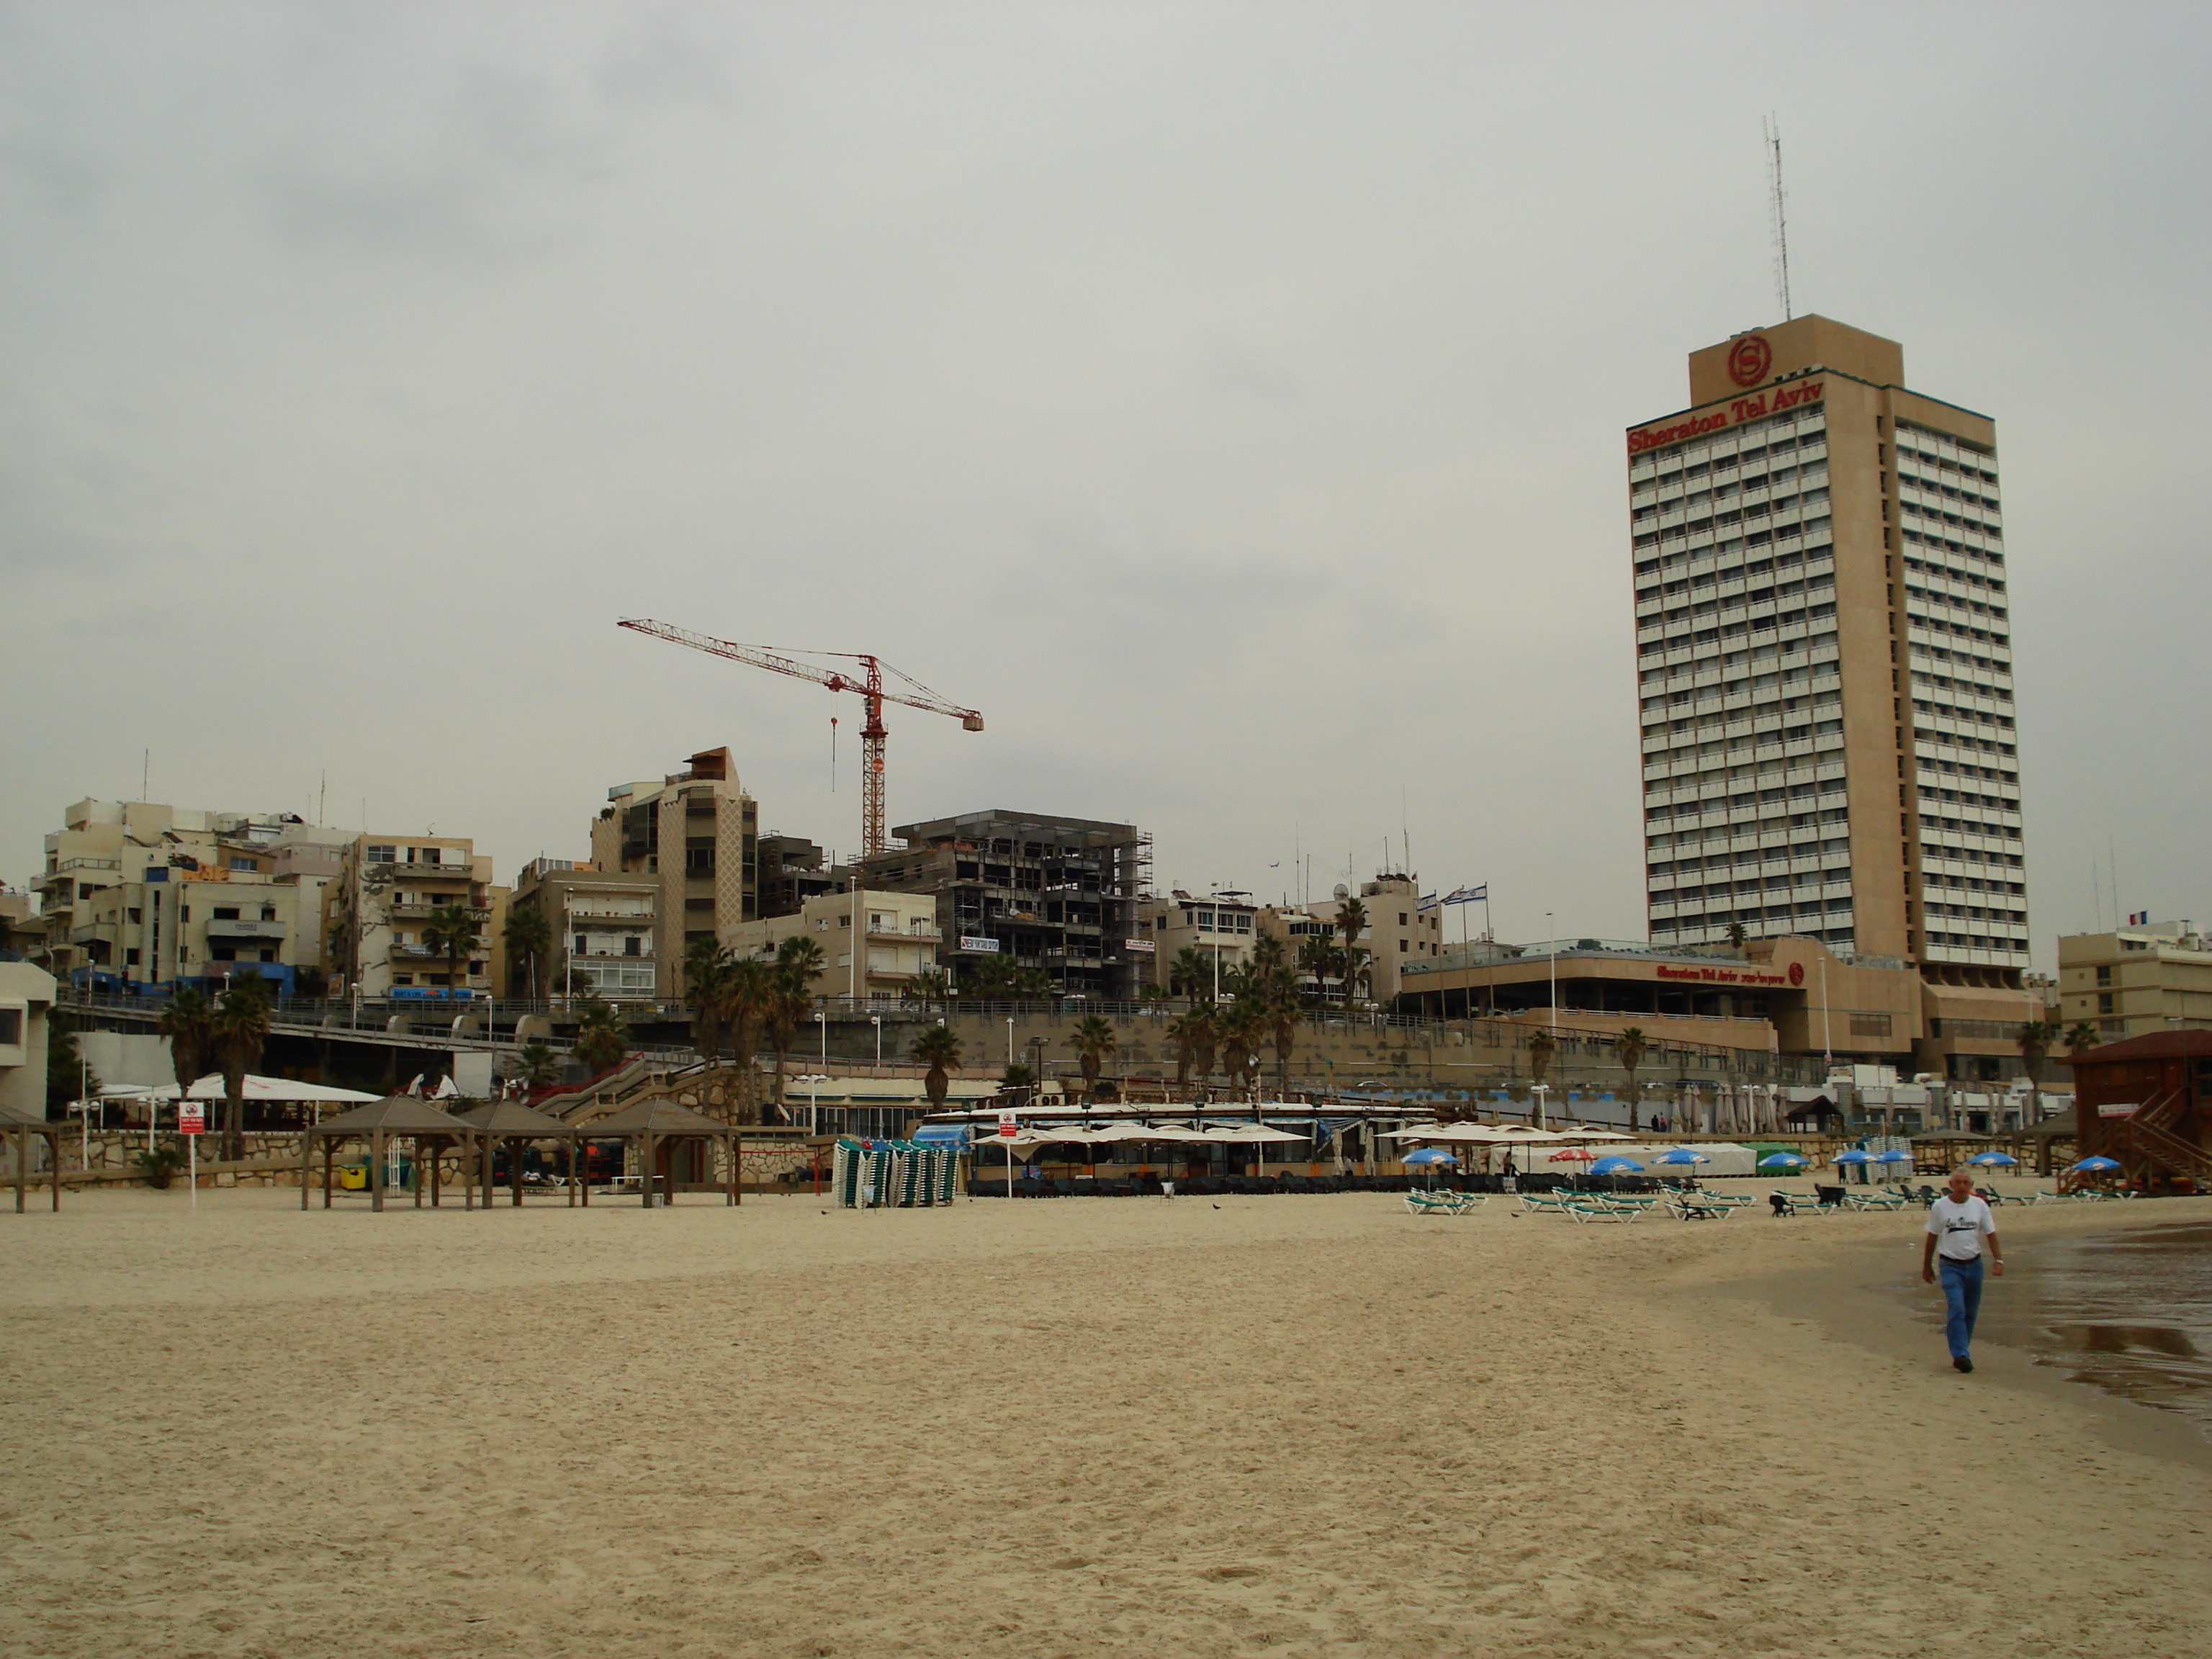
<point x="1054" y="894"/>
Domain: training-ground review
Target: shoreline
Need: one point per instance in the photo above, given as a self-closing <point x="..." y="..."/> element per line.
<point x="1870" y="1296"/>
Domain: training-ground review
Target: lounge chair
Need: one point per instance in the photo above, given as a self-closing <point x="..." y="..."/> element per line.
<point x="1695" y="1207"/>
<point x="1419" y="1202"/>
<point x="1792" y="1204"/>
<point x="1545" y="1203"/>
<point x="1590" y="1208"/>
<point x="1871" y="1199"/>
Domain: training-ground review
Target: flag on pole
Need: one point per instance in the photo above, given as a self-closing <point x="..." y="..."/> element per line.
<point x="2136" y="918"/>
<point x="1466" y="895"/>
<point x="1428" y="904"/>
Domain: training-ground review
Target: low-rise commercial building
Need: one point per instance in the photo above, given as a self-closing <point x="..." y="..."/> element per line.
<point x="1792" y="996"/>
<point x="2155" y="976"/>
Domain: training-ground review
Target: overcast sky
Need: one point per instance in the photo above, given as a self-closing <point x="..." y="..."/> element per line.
<point x="1225" y="399"/>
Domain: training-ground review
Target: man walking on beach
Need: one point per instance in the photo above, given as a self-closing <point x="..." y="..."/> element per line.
<point x="1958" y="1226"/>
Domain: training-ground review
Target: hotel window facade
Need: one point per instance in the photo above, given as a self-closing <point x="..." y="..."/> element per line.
<point x="1824" y="660"/>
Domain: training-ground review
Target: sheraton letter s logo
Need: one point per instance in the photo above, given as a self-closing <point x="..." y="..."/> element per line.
<point x="1749" y="359"/>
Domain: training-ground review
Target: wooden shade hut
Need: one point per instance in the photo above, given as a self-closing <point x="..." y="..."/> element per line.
<point x="2147" y="1102"/>
<point x="22" y="1126"/>
<point x="512" y="1121"/>
<point x="378" y="1123"/>
<point x="655" y="1125"/>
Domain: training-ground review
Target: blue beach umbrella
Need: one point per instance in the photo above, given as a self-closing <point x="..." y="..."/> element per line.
<point x="1782" y="1161"/>
<point x="1854" y="1157"/>
<point x="1429" y="1155"/>
<point x="2096" y="1165"/>
<point x="1993" y="1160"/>
<point x="1682" y="1155"/>
<point x="1616" y="1166"/>
<point x="1894" y="1155"/>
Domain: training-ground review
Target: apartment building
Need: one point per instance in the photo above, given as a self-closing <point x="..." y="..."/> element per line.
<point x="2154" y="977"/>
<point x="1221" y="927"/>
<point x="1055" y="894"/>
<point x="874" y="944"/>
<point x="791" y="872"/>
<point x="696" y="833"/>
<point x="1398" y="932"/>
<point x="604" y="928"/>
<point x="138" y="895"/>
<point x="1823" y="661"/>
<point x="387" y="890"/>
<point x="26" y="997"/>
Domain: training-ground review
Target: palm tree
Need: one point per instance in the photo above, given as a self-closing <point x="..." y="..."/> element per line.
<point x="749" y="989"/>
<point x="798" y="960"/>
<point x="1351" y="922"/>
<point x="451" y="932"/>
<point x="240" y="1027"/>
<point x="929" y="987"/>
<point x="1194" y="1035"/>
<point x="1240" y="1025"/>
<point x="1093" y="1039"/>
<point x="1629" y="1047"/>
<point x="1541" y="1046"/>
<point x="2034" y="1040"/>
<point x="2081" y="1036"/>
<point x="938" y="1048"/>
<point x="602" y="1034"/>
<point x="1192" y="973"/>
<point x="536" y="1066"/>
<point x="1018" y="1079"/>
<point x="1268" y="953"/>
<point x="529" y="936"/>
<point x="706" y="973"/>
<point x="1279" y="997"/>
<point x="1319" y="956"/>
<point x="1736" y="934"/>
<point x="1358" y="969"/>
<point x="188" y="1022"/>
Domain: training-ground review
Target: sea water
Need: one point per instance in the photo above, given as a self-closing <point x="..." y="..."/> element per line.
<point x="2129" y="1312"/>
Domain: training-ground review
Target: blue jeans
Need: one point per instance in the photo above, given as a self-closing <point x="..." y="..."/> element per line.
<point x="1962" y="1296"/>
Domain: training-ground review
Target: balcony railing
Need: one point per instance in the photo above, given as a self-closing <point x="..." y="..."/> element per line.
<point x="242" y="927"/>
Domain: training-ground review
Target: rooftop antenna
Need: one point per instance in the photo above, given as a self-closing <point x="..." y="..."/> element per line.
<point x="1775" y="199"/>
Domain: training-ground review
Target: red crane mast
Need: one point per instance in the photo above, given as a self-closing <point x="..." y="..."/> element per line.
<point x="868" y="683"/>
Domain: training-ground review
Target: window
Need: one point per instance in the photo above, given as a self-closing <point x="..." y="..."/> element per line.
<point x="226" y="913"/>
<point x="633" y="946"/>
<point x="267" y="954"/>
<point x="2104" y="1002"/>
<point x="131" y="957"/>
<point x="136" y="915"/>
<point x="268" y="912"/>
<point x="2104" y="976"/>
<point x="403" y="979"/>
<point x="225" y="953"/>
<point x="379" y="855"/>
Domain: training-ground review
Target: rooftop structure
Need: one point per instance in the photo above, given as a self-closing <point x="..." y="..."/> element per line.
<point x="2151" y="977"/>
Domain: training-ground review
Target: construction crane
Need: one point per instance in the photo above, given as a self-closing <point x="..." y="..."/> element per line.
<point x="868" y="683"/>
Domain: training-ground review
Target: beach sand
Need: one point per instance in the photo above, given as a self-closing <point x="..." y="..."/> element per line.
<point x="1290" y="1426"/>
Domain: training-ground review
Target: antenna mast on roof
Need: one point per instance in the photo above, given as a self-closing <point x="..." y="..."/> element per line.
<point x="1775" y="199"/>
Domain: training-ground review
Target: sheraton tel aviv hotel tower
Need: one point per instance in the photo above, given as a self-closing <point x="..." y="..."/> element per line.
<point x="1825" y="663"/>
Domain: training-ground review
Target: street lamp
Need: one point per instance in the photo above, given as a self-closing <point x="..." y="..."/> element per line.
<point x="813" y="1080"/>
<point x="877" y="1020"/>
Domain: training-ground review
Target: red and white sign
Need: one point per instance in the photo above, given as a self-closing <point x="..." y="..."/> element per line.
<point x="191" y="1118"/>
<point x="1008" y="1128"/>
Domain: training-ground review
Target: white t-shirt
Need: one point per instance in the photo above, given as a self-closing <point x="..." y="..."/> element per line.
<point x="1961" y="1227"/>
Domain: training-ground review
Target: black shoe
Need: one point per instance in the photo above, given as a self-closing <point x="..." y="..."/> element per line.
<point x="1961" y="1363"/>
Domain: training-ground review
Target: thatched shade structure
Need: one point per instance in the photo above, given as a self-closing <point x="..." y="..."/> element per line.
<point x="511" y="1121"/>
<point x="21" y="1124"/>
<point x="377" y="1123"/>
<point x="651" y="1123"/>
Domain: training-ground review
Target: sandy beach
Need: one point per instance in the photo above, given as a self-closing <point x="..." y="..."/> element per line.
<point x="1293" y="1425"/>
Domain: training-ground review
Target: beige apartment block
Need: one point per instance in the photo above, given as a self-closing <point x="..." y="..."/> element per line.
<point x="26" y="997"/>
<point x="1823" y="661"/>
<point x="1399" y="930"/>
<point x="605" y="928"/>
<point x="1220" y="929"/>
<point x="139" y="894"/>
<point x="387" y="890"/>
<point x="2134" y="979"/>
<point x="874" y="944"/>
<point x="696" y="833"/>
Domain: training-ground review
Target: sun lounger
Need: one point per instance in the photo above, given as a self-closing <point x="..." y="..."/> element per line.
<point x="1694" y="1206"/>
<point x="1420" y="1202"/>
<point x="1872" y="1201"/>
<point x="1790" y="1203"/>
<point x="1549" y="1203"/>
<point x="1584" y="1210"/>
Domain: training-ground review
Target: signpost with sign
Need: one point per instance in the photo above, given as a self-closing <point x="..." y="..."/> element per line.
<point x="1009" y="1126"/>
<point x="192" y="1124"/>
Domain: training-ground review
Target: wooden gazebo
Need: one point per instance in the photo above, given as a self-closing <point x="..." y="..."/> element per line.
<point x="655" y="1123"/>
<point x="22" y="1126"/>
<point x="512" y="1121"/>
<point x="378" y="1123"/>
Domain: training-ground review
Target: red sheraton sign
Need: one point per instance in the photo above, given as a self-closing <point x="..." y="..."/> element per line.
<point x="1738" y="410"/>
<point x="1723" y="976"/>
